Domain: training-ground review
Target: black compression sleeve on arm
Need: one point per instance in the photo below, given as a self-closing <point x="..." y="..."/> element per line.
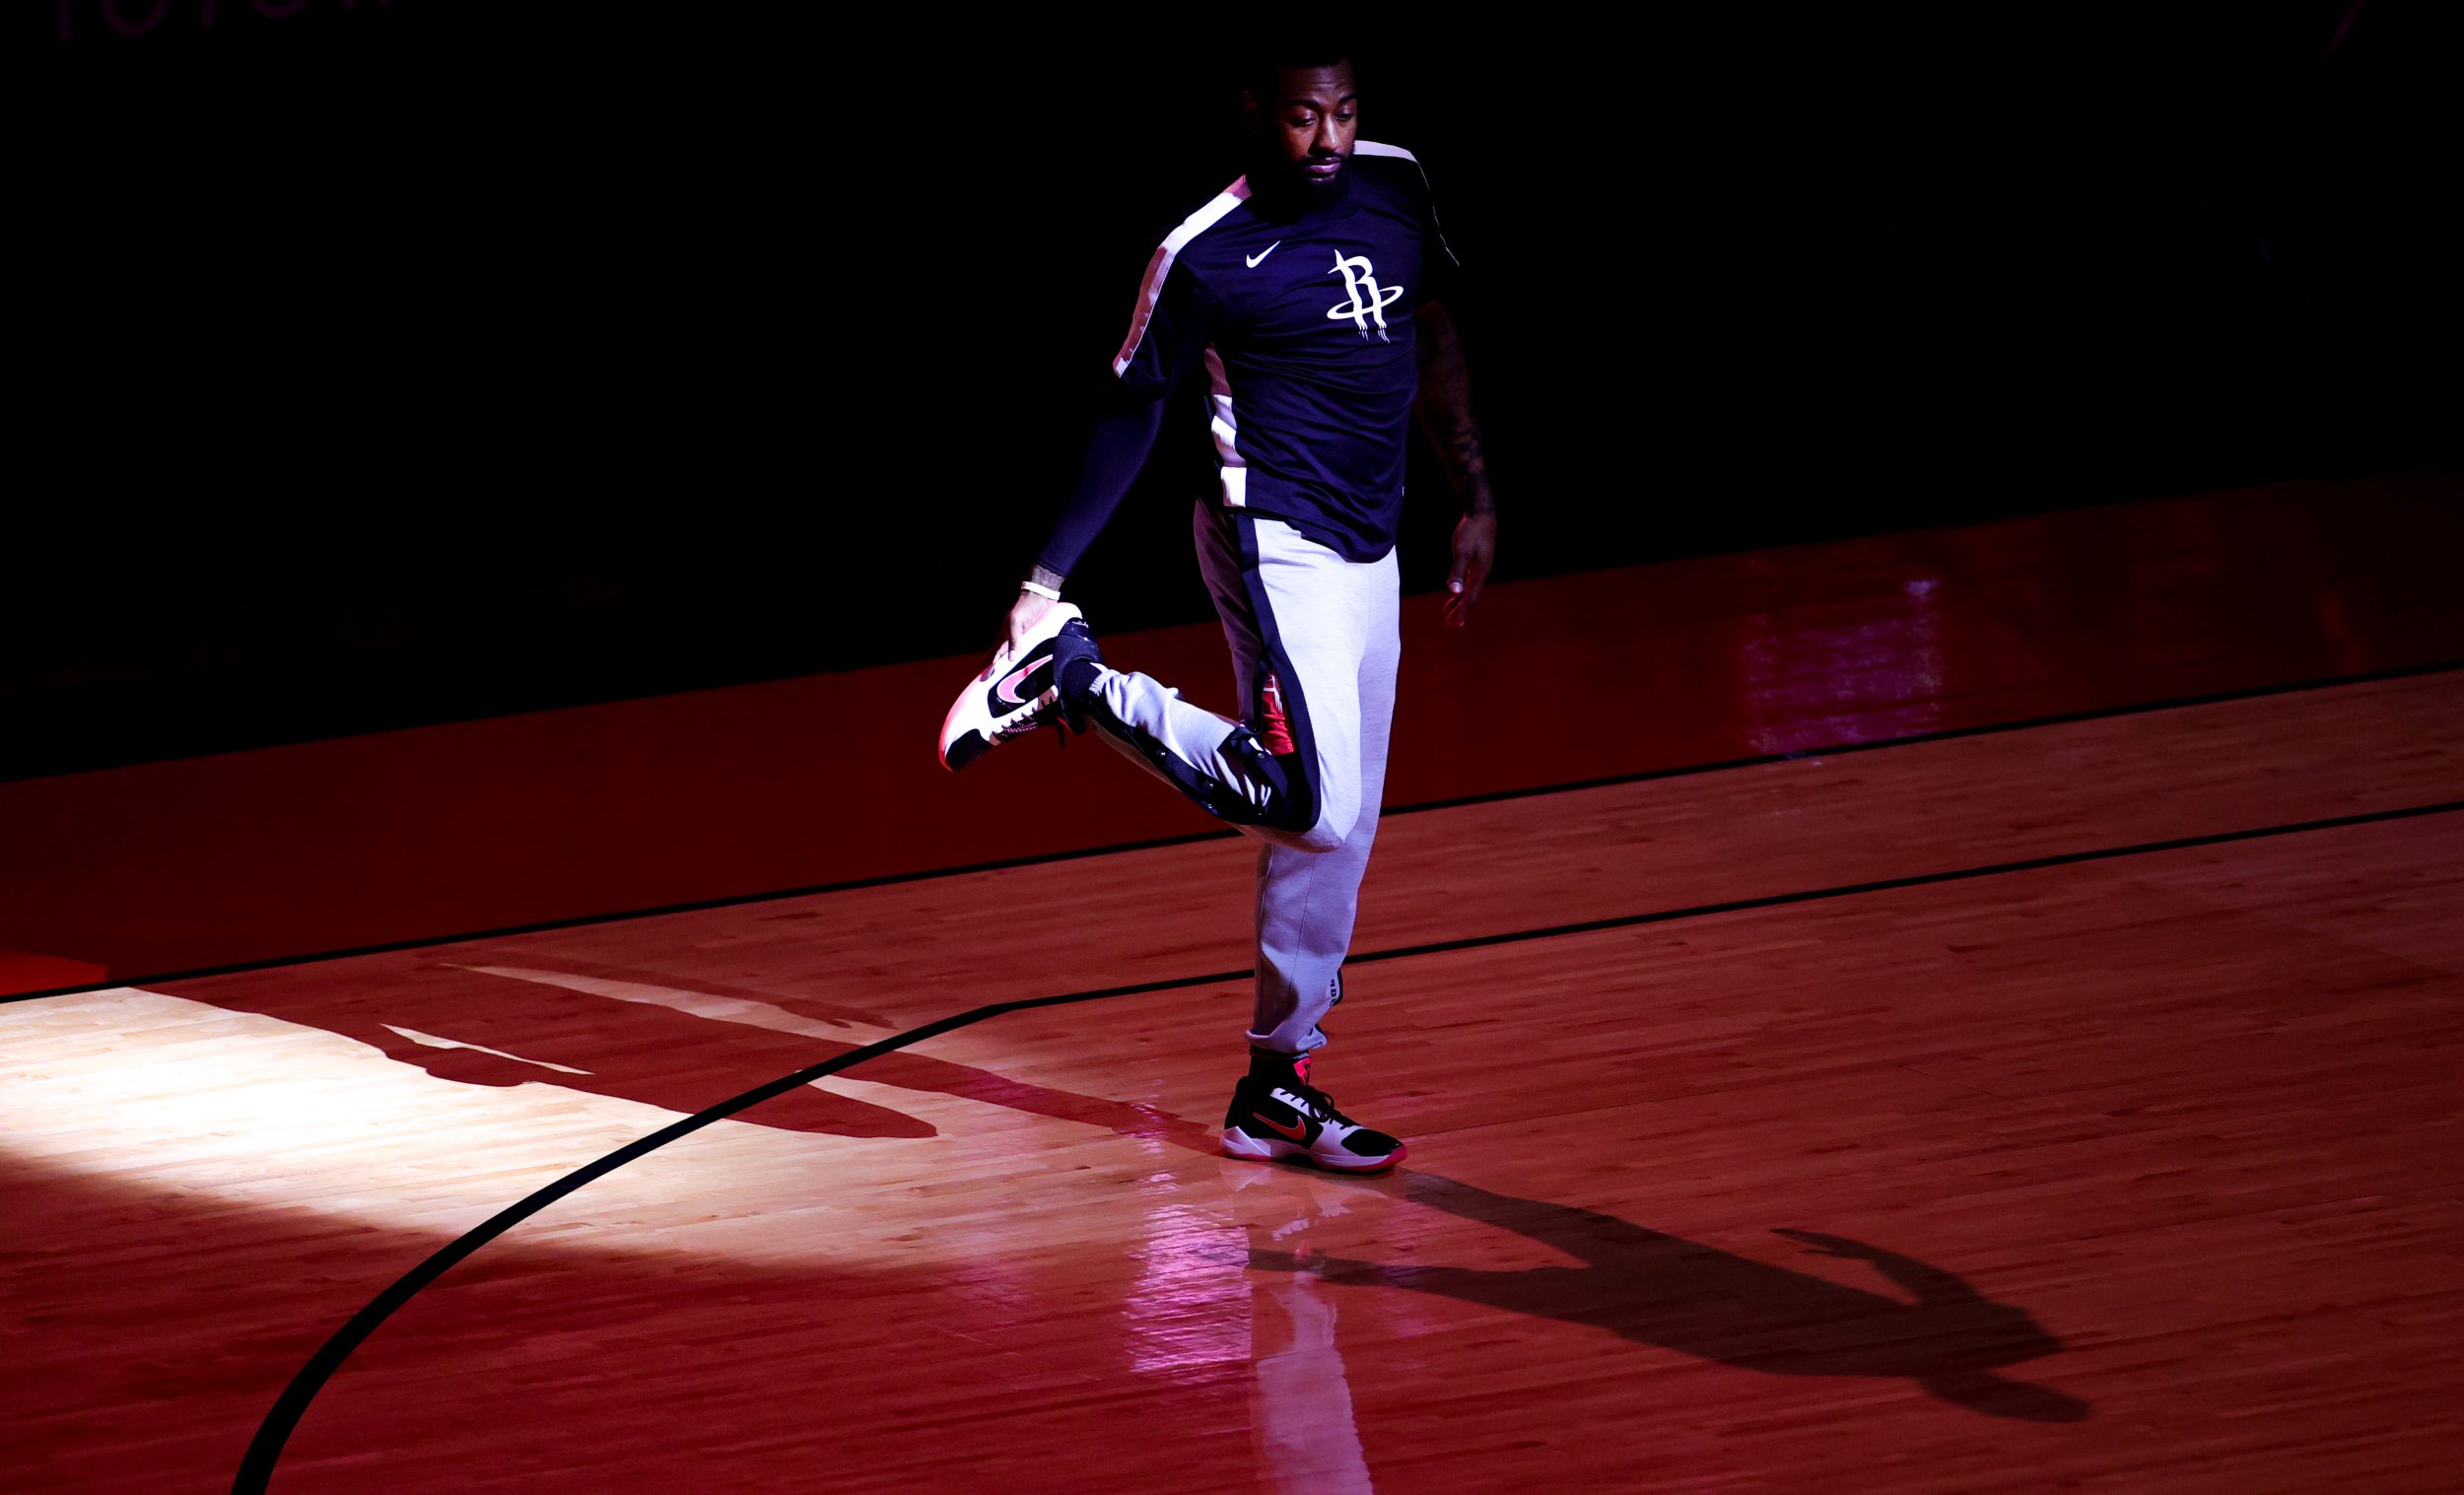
<point x="1115" y="452"/>
<point x="1166" y="341"/>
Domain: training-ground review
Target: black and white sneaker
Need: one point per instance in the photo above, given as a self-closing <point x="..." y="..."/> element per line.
<point x="1017" y="693"/>
<point x="1276" y="1113"/>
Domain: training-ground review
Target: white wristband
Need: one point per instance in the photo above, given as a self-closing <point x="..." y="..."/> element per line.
<point x="1040" y="590"/>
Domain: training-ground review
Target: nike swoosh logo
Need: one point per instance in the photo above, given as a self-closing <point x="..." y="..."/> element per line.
<point x="1006" y="693"/>
<point x="1299" y="1133"/>
<point x="1263" y="254"/>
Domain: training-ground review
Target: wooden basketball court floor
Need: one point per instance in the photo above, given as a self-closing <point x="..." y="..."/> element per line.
<point x="2063" y="1106"/>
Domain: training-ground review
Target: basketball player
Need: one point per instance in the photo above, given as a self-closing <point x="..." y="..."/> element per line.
<point x="1308" y="293"/>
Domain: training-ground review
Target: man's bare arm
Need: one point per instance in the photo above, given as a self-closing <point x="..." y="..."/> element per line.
<point x="1444" y="405"/>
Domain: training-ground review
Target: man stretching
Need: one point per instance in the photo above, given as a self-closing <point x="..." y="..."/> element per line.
<point x="1309" y="293"/>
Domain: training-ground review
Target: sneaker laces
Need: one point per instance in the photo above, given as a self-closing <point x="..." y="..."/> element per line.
<point x="1319" y="1101"/>
<point x="1046" y="713"/>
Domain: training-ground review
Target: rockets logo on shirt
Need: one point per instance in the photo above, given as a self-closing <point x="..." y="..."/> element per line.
<point x="1367" y="299"/>
<point x="1298" y="316"/>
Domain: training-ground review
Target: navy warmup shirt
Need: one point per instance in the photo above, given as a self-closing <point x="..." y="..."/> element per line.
<point x="1303" y="325"/>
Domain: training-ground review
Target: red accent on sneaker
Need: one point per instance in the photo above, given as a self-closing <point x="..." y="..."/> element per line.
<point x="1300" y="1067"/>
<point x="1400" y="1153"/>
<point x="1298" y="1133"/>
<point x="1274" y="729"/>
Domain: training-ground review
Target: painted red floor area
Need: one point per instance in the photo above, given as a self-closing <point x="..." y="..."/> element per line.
<point x="711" y="795"/>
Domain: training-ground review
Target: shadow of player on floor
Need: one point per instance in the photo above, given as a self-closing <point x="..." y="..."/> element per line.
<point x="1698" y="1300"/>
<point x="678" y="1044"/>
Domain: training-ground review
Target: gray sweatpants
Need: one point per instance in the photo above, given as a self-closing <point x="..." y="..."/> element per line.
<point x="1313" y="642"/>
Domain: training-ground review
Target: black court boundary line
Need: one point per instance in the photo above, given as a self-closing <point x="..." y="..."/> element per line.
<point x="256" y="1468"/>
<point x="890" y="879"/>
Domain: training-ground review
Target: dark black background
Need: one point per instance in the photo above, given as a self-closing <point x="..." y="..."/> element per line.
<point x="403" y="362"/>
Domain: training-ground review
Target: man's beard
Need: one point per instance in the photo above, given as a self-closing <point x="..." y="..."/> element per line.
<point x="1293" y="183"/>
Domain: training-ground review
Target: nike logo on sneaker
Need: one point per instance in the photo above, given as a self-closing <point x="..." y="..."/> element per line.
<point x="1006" y="693"/>
<point x="1263" y="254"/>
<point x="1298" y="1133"/>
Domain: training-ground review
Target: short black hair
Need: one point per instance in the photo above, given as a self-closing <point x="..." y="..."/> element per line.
<point x="1264" y="61"/>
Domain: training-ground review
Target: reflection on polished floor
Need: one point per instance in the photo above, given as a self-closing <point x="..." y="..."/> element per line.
<point x="2066" y="1106"/>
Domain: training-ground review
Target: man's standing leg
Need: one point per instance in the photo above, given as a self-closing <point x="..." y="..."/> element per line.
<point x="1308" y="902"/>
<point x="1313" y="642"/>
<point x="1331" y="626"/>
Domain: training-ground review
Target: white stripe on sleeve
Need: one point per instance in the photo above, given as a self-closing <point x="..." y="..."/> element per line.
<point x="1373" y="148"/>
<point x="1160" y="266"/>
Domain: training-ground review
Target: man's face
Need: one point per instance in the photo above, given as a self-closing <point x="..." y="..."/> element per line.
<point x="1306" y="128"/>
